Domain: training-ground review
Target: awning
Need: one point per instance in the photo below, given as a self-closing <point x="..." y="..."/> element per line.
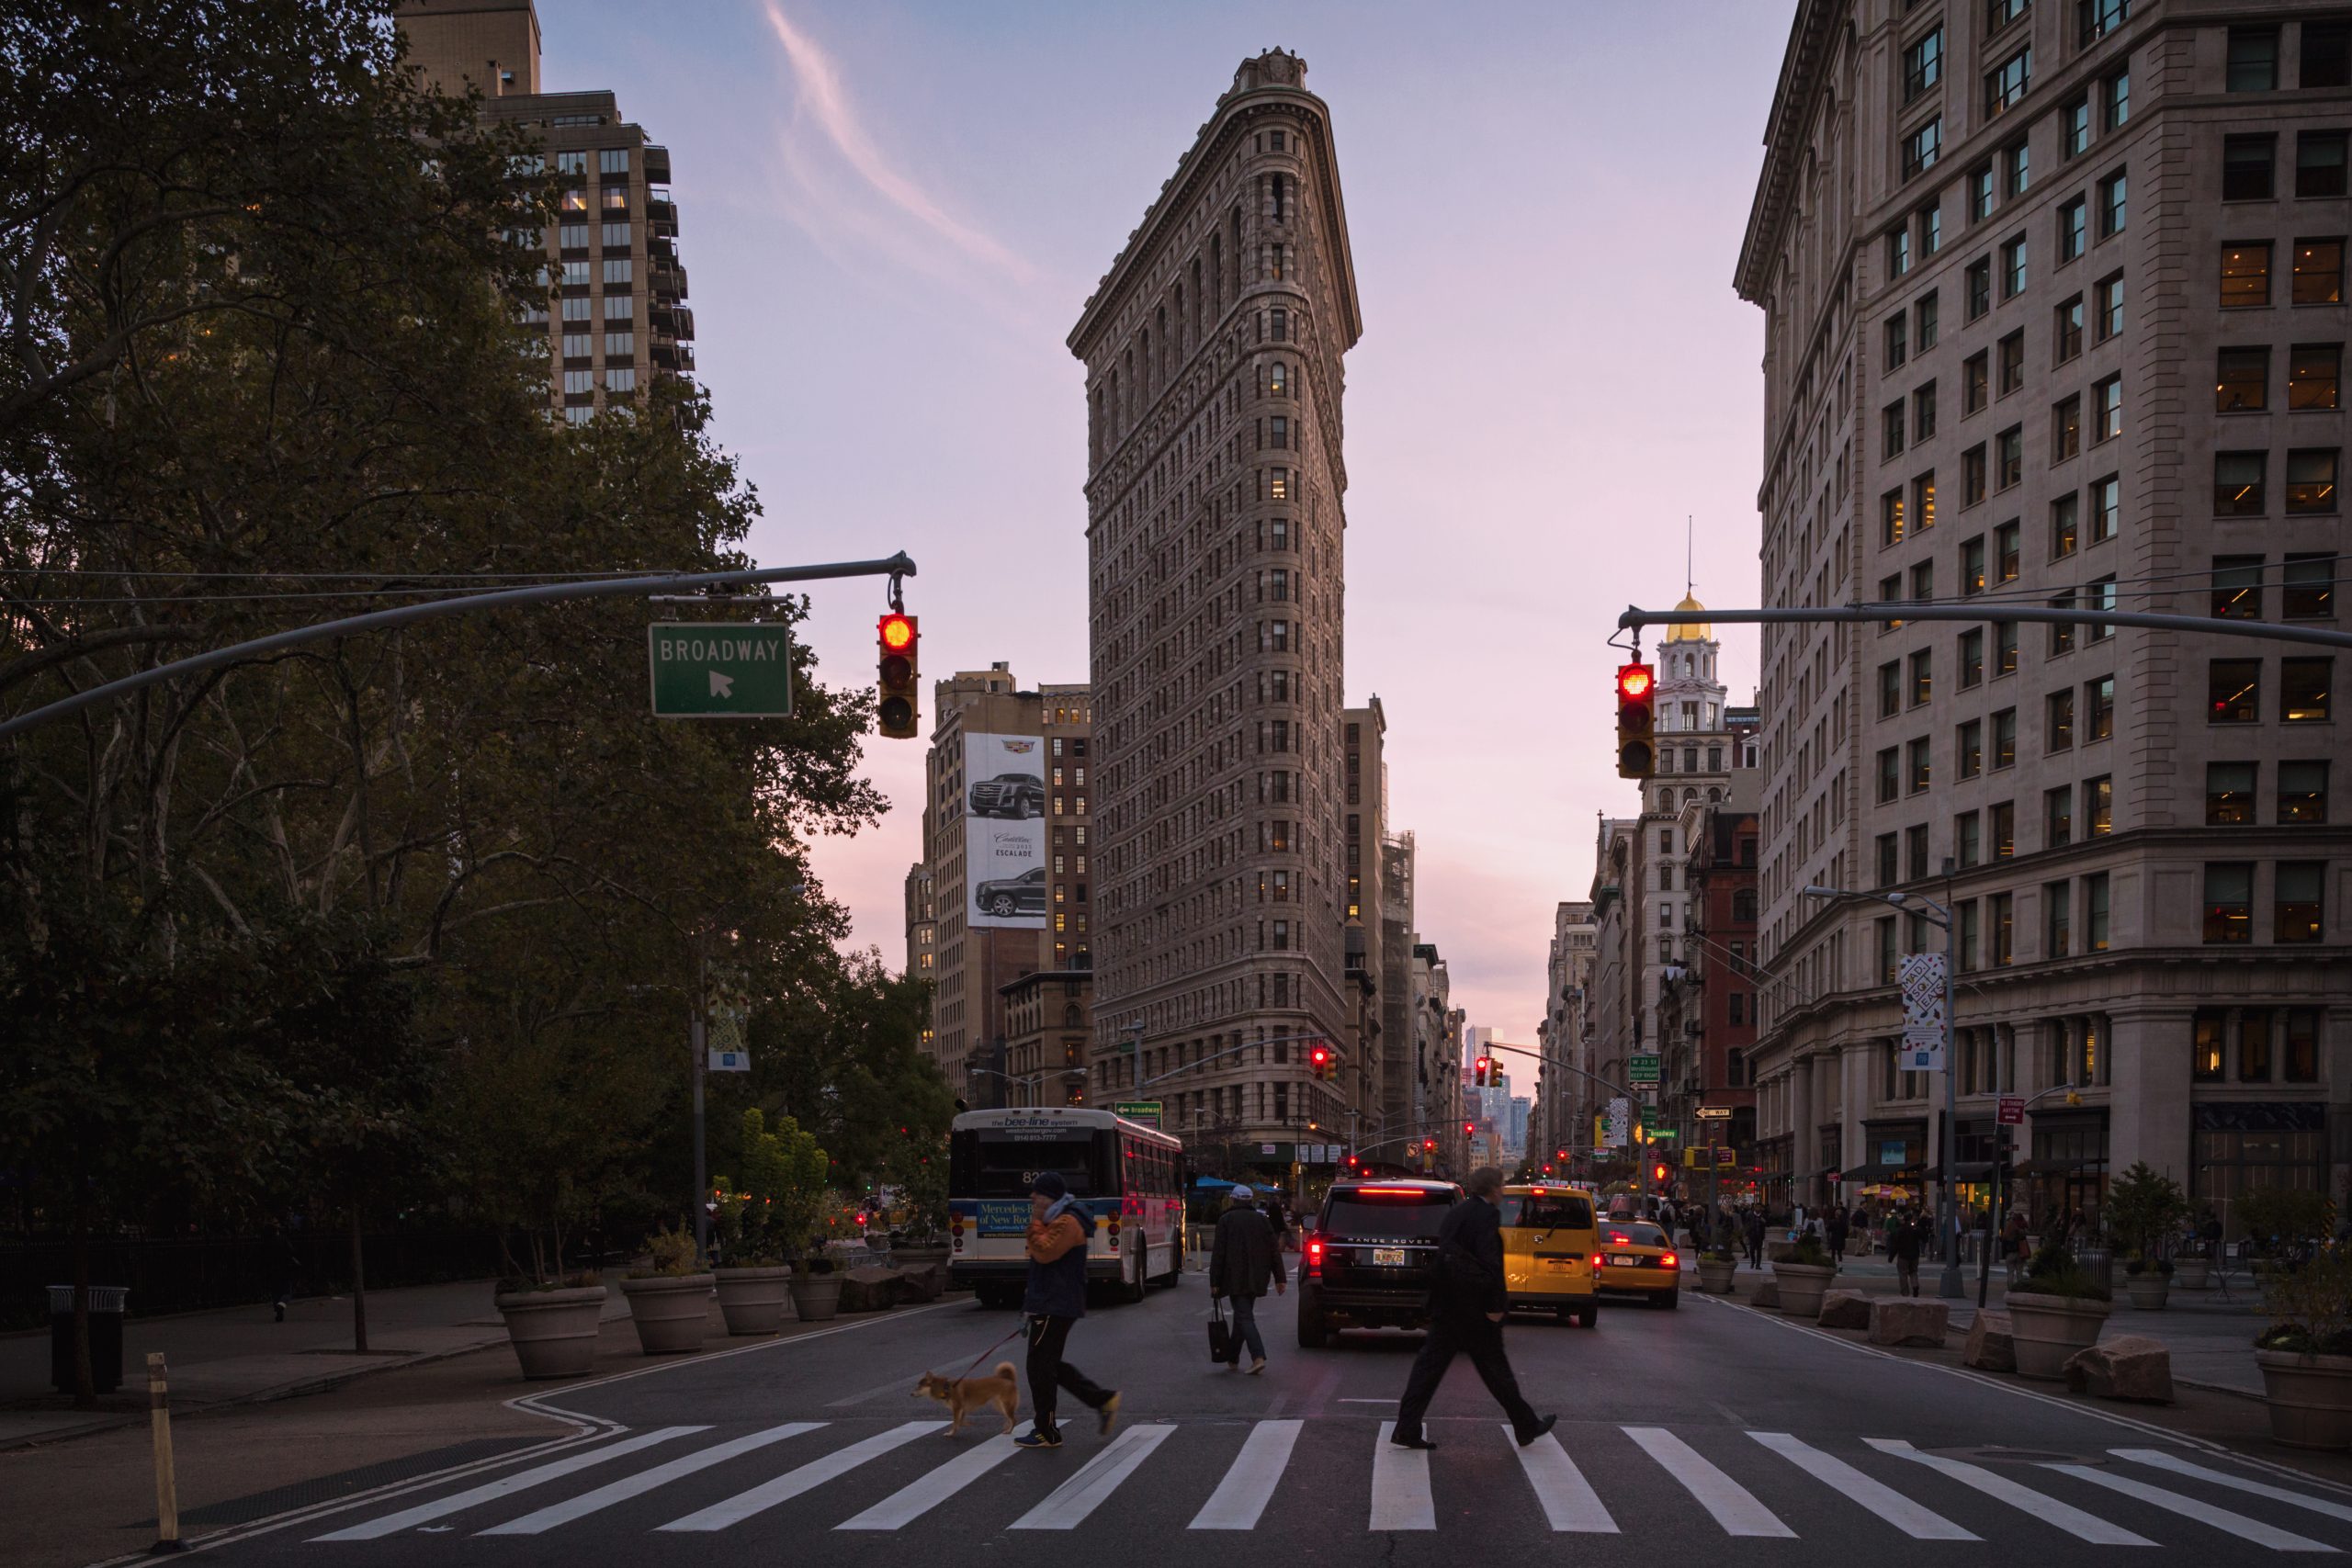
<point x="2056" y="1167"/>
<point x="1213" y="1181"/>
<point x="1965" y="1171"/>
<point x="1879" y="1173"/>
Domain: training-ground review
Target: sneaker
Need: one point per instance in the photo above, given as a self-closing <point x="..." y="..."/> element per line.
<point x="1257" y="1366"/>
<point x="1412" y="1440"/>
<point x="1109" y="1411"/>
<point x="1038" y="1438"/>
<point x="1541" y="1428"/>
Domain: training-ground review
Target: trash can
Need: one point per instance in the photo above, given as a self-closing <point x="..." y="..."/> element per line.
<point x="106" y="1337"/>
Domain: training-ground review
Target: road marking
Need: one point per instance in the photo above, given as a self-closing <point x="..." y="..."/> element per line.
<point x="1570" y="1501"/>
<point x="1913" y="1520"/>
<point x="913" y="1501"/>
<point x="1400" y="1485"/>
<point x="645" y="1481"/>
<point x="793" y="1482"/>
<point x="2254" y="1530"/>
<point x="2048" y="1509"/>
<point x="1250" y="1482"/>
<point x="426" y="1513"/>
<point x="2162" y="1460"/>
<point x="1733" y="1506"/>
<point x="1354" y="1401"/>
<point x="1085" y="1492"/>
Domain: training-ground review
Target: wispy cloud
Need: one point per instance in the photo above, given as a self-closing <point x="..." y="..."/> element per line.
<point x="826" y="100"/>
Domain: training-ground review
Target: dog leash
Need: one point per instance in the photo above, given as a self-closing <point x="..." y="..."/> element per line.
<point x="1012" y="1335"/>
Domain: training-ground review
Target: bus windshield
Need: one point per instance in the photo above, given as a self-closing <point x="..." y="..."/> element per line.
<point x="992" y="1164"/>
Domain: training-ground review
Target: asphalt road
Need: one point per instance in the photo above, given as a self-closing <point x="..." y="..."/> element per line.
<point x="1711" y="1433"/>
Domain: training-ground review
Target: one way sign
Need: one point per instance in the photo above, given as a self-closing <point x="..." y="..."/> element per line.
<point x="717" y="671"/>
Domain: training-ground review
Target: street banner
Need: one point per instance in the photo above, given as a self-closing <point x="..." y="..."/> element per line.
<point x="730" y="1061"/>
<point x="1922" y="977"/>
<point x="1004" y="830"/>
<point x="1618" y="1129"/>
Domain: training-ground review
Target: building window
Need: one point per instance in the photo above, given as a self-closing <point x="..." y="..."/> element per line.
<point x="1975" y="382"/>
<point x="1891" y="429"/>
<point x="2229" y="901"/>
<point x="1890" y="689"/>
<point x="1888" y="851"/>
<point x="2311" y="480"/>
<point x="621" y="378"/>
<point x="2241" y="381"/>
<point x="2005" y="648"/>
<point x="2237" y="483"/>
<point x="1898" y="261"/>
<point x="1890" y="775"/>
<point x="1923" y="489"/>
<point x="1923" y="419"/>
<point x="1980" y="193"/>
<point x="2008" y="457"/>
<point x="2110" y="295"/>
<point x="2099" y="709"/>
<point x="2007" y="83"/>
<point x="2314" y="375"/>
<point x="2075" y="128"/>
<point x="2245" y="275"/>
<point x="2100" y="594"/>
<point x="2106" y="508"/>
<point x="2016" y="170"/>
<point x="2302" y="791"/>
<point x="2062" y="511"/>
<point x="2066" y="342"/>
<point x="1889" y="517"/>
<point x="2001" y="823"/>
<point x="2001" y="917"/>
<point x="2229" y="794"/>
<point x="2234" y="691"/>
<point x="2247" y="167"/>
<point x="1922" y="147"/>
<point x="2098" y="807"/>
<point x="1967" y="836"/>
<point x="2252" y="59"/>
<point x="1972" y="658"/>
<point x="2319" y="271"/>
<point x="1972" y="476"/>
<point x="2106" y="409"/>
<point x="2327" y="55"/>
<point x="1922" y="676"/>
<point x="2057" y="918"/>
<point x="2303" y="689"/>
<point x="2013" y="268"/>
<point x="2308" y="588"/>
<point x="2112" y="206"/>
<point x="2209" y="1045"/>
<point x="1968" y="746"/>
<point x="2058" y="721"/>
<point x="2295" y="906"/>
<point x="2074" y="230"/>
<point x="2005" y="551"/>
<point x="2005" y="738"/>
<point x="2319" y="164"/>
<point x="2011" y="351"/>
<point x="2115" y="96"/>
<point x="1980" y="287"/>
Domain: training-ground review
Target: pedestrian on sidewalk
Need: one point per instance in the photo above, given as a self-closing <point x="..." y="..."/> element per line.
<point x="1468" y="1303"/>
<point x="1751" y="1231"/>
<point x="1902" y="1244"/>
<point x="2013" y="1246"/>
<point x="1837" y="1237"/>
<point x="1055" y="1297"/>
<point x="1244" y="1257"/>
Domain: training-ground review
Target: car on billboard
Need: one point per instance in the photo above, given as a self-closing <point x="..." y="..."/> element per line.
<point x="1009" y="795"/>
<point x="1022" y="894"/>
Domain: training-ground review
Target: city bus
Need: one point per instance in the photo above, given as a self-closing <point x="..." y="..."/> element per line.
<point x="1127" y="1176"/>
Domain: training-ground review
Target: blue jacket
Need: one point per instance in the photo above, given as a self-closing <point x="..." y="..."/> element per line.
<point x="1057" y="1261"/>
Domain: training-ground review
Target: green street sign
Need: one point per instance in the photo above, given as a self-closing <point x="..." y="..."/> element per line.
<point x="1642" y="1070"/>
<point x="716" y="670"/>
<point x="1144" y="1110"/>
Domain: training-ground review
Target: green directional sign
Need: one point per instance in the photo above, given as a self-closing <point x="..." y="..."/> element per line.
<point x="719" y="671"/>
<point x="1641" y="1070"/>
<point x="1144" y="1110"/>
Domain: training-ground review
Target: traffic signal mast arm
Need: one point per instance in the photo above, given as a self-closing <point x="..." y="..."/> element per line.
<point x="1565" y="1067"/>
<point x="1634" y="620"/>
<point x="1230" y="1051"/>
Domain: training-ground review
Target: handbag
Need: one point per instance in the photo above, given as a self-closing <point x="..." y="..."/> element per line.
<point x="1220" y="1332"/>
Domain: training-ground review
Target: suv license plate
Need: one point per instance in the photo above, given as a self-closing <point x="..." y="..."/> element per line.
<point x="1388" y="1257"/>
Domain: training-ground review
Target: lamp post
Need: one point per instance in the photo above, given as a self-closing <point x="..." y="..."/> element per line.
<point x="1947" y="1282"/>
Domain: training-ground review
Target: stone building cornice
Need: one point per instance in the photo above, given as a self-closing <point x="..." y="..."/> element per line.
<point x="1803" y="65"/>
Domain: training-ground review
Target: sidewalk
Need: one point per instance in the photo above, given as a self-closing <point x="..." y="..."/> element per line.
<point x="238" y="1355"/>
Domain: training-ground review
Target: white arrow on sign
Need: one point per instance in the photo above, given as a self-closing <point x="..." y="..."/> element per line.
<point x="722" y="685"/>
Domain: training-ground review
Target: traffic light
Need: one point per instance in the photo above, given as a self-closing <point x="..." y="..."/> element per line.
<point x="1485" y="1066"/>
<point x="896" y="703"/>
<point x="1429" y="1146"/>
<point x="1636" y="720"/>
<point x="1657" y="1174"/>
<point x="1319" y="1061"/>
<point x="1469" y="1129"/>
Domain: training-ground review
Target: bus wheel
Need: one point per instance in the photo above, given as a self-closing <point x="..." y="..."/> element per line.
<point x="1140" y="1269"/>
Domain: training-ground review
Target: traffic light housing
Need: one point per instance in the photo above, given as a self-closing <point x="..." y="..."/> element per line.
<point x="1485" y="1066"/>
<point x="1319" y="1061"/>
<point x="896" y="703"/>
<point x="1657" y="1174"/>
<point x="1636" y="720"/>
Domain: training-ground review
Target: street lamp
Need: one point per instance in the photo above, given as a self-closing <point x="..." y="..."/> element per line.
<point x="1947" y="1282"/>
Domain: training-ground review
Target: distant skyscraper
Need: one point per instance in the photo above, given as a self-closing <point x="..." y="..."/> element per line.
<point x="1213" y="353"/>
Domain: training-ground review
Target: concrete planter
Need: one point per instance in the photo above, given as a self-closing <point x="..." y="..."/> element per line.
<point x="2047" y="1330"/>
<point x="917" y="1254"/>
<point x="671" y="1311"/>
<point x="1803" y="1286"/>
<point x="2147" y="1289"/>
<point x="1715" y="1278"/>
<point x="751" y="1299"/>
<point x="816" y="1297"/>
<point x="2193" y="1273"/>
<point x="553" y="1332"/>
<point x="2309" y="1398"/>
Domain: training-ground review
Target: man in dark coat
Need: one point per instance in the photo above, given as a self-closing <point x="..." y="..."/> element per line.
<point x="1242" y="1259"/>
<point x="1836" y="1238"/>
<point x="1468" y="1302"/>
<point x="1055" y="1300"/>
<point x="1751" y="1235"/>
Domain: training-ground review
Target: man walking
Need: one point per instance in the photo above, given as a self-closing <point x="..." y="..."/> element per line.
<point x="1837" y="1237"/>
<point x="1056" y="1299"/>
<point x="1902" y="1245"/>
<point x="1241" y="1260"/>
<point x="1751" y="1231"/>
<point x="1468" y="1302"/>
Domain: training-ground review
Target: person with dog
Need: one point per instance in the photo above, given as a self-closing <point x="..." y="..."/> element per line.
<point x="1056" y="1299"/>
<point x="1243" y="1257"/>
<point x="1468" y="1303"/>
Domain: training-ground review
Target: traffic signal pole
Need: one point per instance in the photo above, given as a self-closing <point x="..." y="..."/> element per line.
<point x="1635" y="618"/>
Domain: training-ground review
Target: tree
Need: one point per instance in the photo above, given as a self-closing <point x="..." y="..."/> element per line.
<point x="2144" y="1207"/>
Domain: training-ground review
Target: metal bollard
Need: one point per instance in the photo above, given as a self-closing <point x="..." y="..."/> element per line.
<point x="168" y="1491"/>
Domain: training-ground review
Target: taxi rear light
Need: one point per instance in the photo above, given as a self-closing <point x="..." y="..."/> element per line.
<point x="1669" y="1261"/>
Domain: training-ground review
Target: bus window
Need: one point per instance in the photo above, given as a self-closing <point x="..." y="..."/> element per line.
<point x="1004" y="1167"/>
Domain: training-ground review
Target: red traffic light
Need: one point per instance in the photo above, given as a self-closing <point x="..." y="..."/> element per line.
<point x="895" y="695"/>
<point x="1657" y="1173"/>
<point x="1429" y="1142"/>
<point x="1635" y="681"/>
<point x="1469" y="1129"/>
<point x="897" y="632"/>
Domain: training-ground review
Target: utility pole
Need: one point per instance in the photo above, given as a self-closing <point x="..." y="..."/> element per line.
<point x="699" y="1038"/>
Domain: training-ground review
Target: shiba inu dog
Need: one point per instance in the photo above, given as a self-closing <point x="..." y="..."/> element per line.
<point x="963" y="1395"/>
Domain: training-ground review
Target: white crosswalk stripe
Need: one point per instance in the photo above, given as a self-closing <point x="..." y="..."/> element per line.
<point x="645" y="1481"/>
<point x="1250" y="1482"/>
<point x="913" y="1501"/>
<point x="1085" y="1492"/>
<point x="1400" y="1485"/>
<point x="426" y="1513"/>
<point x="2254" y="1530"/>
<point x="2048" y="1509"/>
<point x="1913" y="1520"/>
<point x="1568" y="1499"/>
<point x="1733" y="1506"/>
<point x="793" y="1482"/>
<point x="2160" y="1459"/>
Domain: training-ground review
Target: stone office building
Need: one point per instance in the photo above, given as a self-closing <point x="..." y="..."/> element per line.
<point x="2055" y="314"/>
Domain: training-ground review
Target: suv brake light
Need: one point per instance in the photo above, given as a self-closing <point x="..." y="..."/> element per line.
<point x="1315" y="1256"/>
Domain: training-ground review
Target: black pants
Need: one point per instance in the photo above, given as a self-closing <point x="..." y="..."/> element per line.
<point x="1482" y="1341"/>
<point x="1049" y="1372"/>
<point x="1756" y="1253"/>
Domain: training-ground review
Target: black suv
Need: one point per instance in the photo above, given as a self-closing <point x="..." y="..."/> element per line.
<point x="1018" y="795"/>
<point x="1013" y="895"/>
<point x="1372" y="1258"/>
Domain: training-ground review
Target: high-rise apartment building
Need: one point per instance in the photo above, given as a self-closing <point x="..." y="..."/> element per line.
<point x="1004" y="882"/>
<point x="619" y="319"/>
<point x="1563" y="1097"/>
<point x="1364" y="912"/>
<point x="2055" y="314"/>
<point x="1213" y="495"/>
<point x="1393" y="1120"/>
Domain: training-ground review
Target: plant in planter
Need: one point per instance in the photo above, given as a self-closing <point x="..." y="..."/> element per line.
<point x="2306" y="1353"/>
<point x="2143" y="1208"/>
<point x="757" y="1223"/>
<point x="1717" y="1265"/>
<point x="1804" y="1276"/>
<point x="668" y="1298"/>
<point x="923" y="1188"/>
<point x="2057" y="1311"/>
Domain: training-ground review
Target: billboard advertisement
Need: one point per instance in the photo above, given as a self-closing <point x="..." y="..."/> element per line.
<point x="1004" y="830"/>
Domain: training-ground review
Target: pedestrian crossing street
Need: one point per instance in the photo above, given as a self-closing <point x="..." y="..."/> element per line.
<point x="1243" y="1475"/>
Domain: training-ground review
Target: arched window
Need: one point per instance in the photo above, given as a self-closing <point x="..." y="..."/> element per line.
<point x="1713" y="793"/>
<point x="1689" y="796"/>
<point x="1666" y="800"/>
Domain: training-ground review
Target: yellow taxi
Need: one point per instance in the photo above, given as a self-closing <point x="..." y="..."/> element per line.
<point x="1635" y="1257"/>
<point x="1551" y="1244"/>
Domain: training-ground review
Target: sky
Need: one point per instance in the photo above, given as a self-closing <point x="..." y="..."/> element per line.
<point x="891" y="213"/>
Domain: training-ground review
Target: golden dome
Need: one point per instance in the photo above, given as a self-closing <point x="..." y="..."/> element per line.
<point x="1690" y="631"/>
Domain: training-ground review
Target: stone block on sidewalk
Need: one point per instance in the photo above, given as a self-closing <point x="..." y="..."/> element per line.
<point x="923" y="1282"/>
<point x="2129" y="1367"/>
<point x="1768" y="1295"/>
<point x="869" y="1289"/>
<point x="1906" y="1320"/>
<point x="1845" y="1309"/>
<point x="1988" y="1347"/>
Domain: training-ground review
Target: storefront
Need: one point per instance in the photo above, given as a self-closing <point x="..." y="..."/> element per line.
<point x="2237" y="1146"/>
<point x="2066" y="1178"/>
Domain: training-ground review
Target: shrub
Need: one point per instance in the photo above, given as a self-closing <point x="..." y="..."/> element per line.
<point x="1809" y="1252"/>
<point x="2287" y="1215"/>
<point x="2054" y="1271"/>
<point x="2310" y="1307"/>
<point x="674" y="1255"/>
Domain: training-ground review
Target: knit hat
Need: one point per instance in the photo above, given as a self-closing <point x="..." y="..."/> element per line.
<point x="1051" y="1184"/>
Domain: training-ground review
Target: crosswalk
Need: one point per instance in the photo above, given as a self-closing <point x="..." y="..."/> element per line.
<point x="1594" y="1479"/>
